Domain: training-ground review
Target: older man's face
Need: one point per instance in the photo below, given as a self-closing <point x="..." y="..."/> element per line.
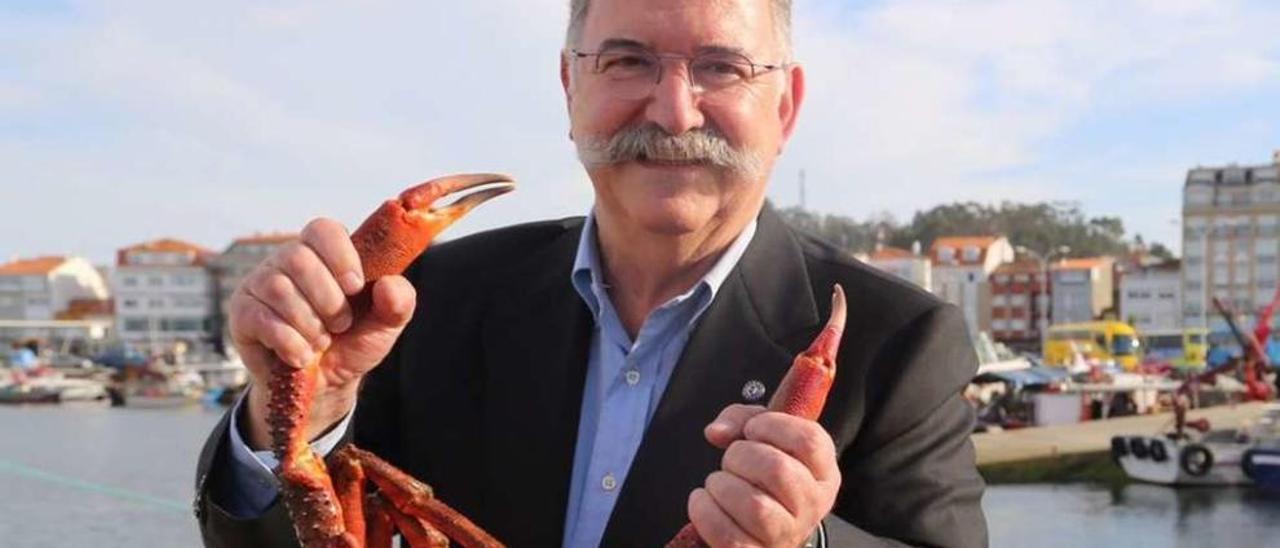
<point x="754" y="117"/>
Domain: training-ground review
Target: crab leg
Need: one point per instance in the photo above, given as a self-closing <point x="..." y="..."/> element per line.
<point x="417" y="499"/>
<point x="348" y="482"/>
<point x="380" y="531"/>
<point x="415" y="530"/>
<point x="387" y="242"/>
<point x="803" y="391"/>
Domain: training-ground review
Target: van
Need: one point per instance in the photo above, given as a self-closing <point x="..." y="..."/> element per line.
<point x="1180" y="347"/>
<point x="1100" y="341"/>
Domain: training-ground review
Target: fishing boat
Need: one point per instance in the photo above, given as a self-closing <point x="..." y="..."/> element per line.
<point x="52" y="389"/>
<point x="1261" y="463"/>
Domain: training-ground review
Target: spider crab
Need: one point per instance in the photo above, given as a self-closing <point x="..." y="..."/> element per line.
<point x="329" y="503"/>
<point x="337" y="511"/>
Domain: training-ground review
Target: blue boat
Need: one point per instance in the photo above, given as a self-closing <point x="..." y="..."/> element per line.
<point x="1263" y="466"/>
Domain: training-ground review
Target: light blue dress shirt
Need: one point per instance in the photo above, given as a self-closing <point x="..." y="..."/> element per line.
<point x="625" y="381"/>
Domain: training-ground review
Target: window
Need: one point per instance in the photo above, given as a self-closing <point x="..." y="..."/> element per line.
<point x="1000" y="300"/>
<point x="972" y="253"/>
<point x="155" y="303"/>
<point x="1018" y="299"/>
<point x="129" y="281"/>
<point x="946" y="254"/>
<point x="1021" y="278"/>
<point x="137" y="325"/>
<point x="155" y="281"/>
<point x="130" y="303"/>
<point x="1001" y="278"/>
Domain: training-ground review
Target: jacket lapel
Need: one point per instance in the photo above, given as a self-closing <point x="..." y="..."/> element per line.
<point x="535" y="344"/>
<point x="739" y="339"/>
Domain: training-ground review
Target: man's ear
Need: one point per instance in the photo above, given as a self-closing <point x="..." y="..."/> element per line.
<point x="566" y="83"/>
<point x="792" y="98"/>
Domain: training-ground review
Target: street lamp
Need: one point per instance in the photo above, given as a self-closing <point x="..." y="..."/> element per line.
<point x="1044" y="259"/>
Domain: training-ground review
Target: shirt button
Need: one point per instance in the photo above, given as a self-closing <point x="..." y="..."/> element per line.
<point x="609" y="483"/>
<point x="633" y="377"/>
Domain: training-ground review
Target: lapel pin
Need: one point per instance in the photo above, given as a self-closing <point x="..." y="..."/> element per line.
<point x="753" y="390"/>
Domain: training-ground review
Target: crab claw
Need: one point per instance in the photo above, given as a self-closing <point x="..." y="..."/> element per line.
<point x="826" y="344"/>
<point x="419" y="199"/>
<point x="403" y="227"/>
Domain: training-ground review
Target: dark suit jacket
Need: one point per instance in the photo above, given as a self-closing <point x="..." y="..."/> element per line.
<point x="481" y="395"/>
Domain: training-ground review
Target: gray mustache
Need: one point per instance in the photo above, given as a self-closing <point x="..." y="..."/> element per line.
<point x="705" y="145"/>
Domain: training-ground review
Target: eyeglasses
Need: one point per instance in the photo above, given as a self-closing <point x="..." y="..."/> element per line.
<point x="633" y="72"/>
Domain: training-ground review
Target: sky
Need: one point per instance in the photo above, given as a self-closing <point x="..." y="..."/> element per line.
<point x="129" y="120"/>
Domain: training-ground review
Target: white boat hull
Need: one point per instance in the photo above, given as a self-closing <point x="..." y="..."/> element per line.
<point x="1167" y="461"/>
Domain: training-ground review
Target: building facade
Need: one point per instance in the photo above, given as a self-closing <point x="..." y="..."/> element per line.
<point x="230" y="267"/>
<point x="1151" y="297"/>
<point x="1082" y="289"/>
<point x="1230" y="241"/>
<point x="35" y="292"/>
<point x="1016" y="290"/>
<point x="164" y="296"/>
<point x="912" y="267"/>
<point x="962" y="266"/>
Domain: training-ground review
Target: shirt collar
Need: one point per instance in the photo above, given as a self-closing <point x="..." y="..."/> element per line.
<point x="588" y="275"/>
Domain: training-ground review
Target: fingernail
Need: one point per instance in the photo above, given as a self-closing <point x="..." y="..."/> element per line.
<point x="304" y="358"/>
<point x="352" y="283"/>
<point x="719" y="427"/>
<point x="342" y="323"/>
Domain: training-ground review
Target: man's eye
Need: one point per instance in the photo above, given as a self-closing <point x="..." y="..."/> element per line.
<point x="624" y="62"/>
<point x="721" y="70"/>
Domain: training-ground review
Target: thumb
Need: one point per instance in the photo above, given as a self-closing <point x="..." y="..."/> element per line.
<point x="369" y="340"/>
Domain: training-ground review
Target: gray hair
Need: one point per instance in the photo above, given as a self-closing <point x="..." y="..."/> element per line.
<point x="781" y="19"/>
<point x="648" y="141"/>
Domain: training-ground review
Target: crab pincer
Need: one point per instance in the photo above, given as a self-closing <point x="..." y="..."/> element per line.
<point x="802" y="392"/>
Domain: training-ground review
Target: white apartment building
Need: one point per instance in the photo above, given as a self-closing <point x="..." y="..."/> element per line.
<point x="961" y="268"/>
<point x="1151" y="297"/>
<point x="164" y="295"/>
<point x="1230" y="241"/>
<point x="36" y="291"/>
<point x="1082" y="289"/>
<point x="907" y="265"/>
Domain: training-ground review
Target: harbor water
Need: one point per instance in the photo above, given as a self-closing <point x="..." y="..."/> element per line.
<point x="90" y="475"/>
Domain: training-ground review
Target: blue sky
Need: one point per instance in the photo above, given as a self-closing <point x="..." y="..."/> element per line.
<point x="126" y="121"/>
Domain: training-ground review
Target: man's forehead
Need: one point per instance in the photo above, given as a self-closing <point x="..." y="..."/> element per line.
<point x="680" y="24"/>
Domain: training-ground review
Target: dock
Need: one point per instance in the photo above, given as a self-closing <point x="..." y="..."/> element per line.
<point x="1081" y="451"/>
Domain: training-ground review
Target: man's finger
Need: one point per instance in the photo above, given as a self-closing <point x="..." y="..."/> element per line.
<point x="713" y="524"/>
<point x="329" y="239"/>
<point x="801" y="438"/>
<point x="728" y="426"/>
<point x="757" y="513"/>
<point x="781" y="476"/>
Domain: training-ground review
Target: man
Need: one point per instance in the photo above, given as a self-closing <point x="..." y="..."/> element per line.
<point x="583" y="383"/>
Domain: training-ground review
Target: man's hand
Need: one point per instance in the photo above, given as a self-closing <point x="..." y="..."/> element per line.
<point x="293" y="307"/>
<point x="777" y="480"/>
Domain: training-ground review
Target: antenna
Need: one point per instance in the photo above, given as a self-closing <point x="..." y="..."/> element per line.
<point x="802" y="199"/>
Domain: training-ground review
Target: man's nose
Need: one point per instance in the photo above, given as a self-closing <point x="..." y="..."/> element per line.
<point x="673" y="104"/>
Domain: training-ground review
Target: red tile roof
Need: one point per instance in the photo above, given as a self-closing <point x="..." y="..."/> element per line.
<point x="887" y="253"/>
<point x="32" y="267"/>
<point x="958" y="245"/>
<point x="1085" y="263"/>
<point x="165" y="245"/>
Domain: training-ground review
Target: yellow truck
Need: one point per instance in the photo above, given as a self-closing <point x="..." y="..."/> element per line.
<point x="1100" y="341"/>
